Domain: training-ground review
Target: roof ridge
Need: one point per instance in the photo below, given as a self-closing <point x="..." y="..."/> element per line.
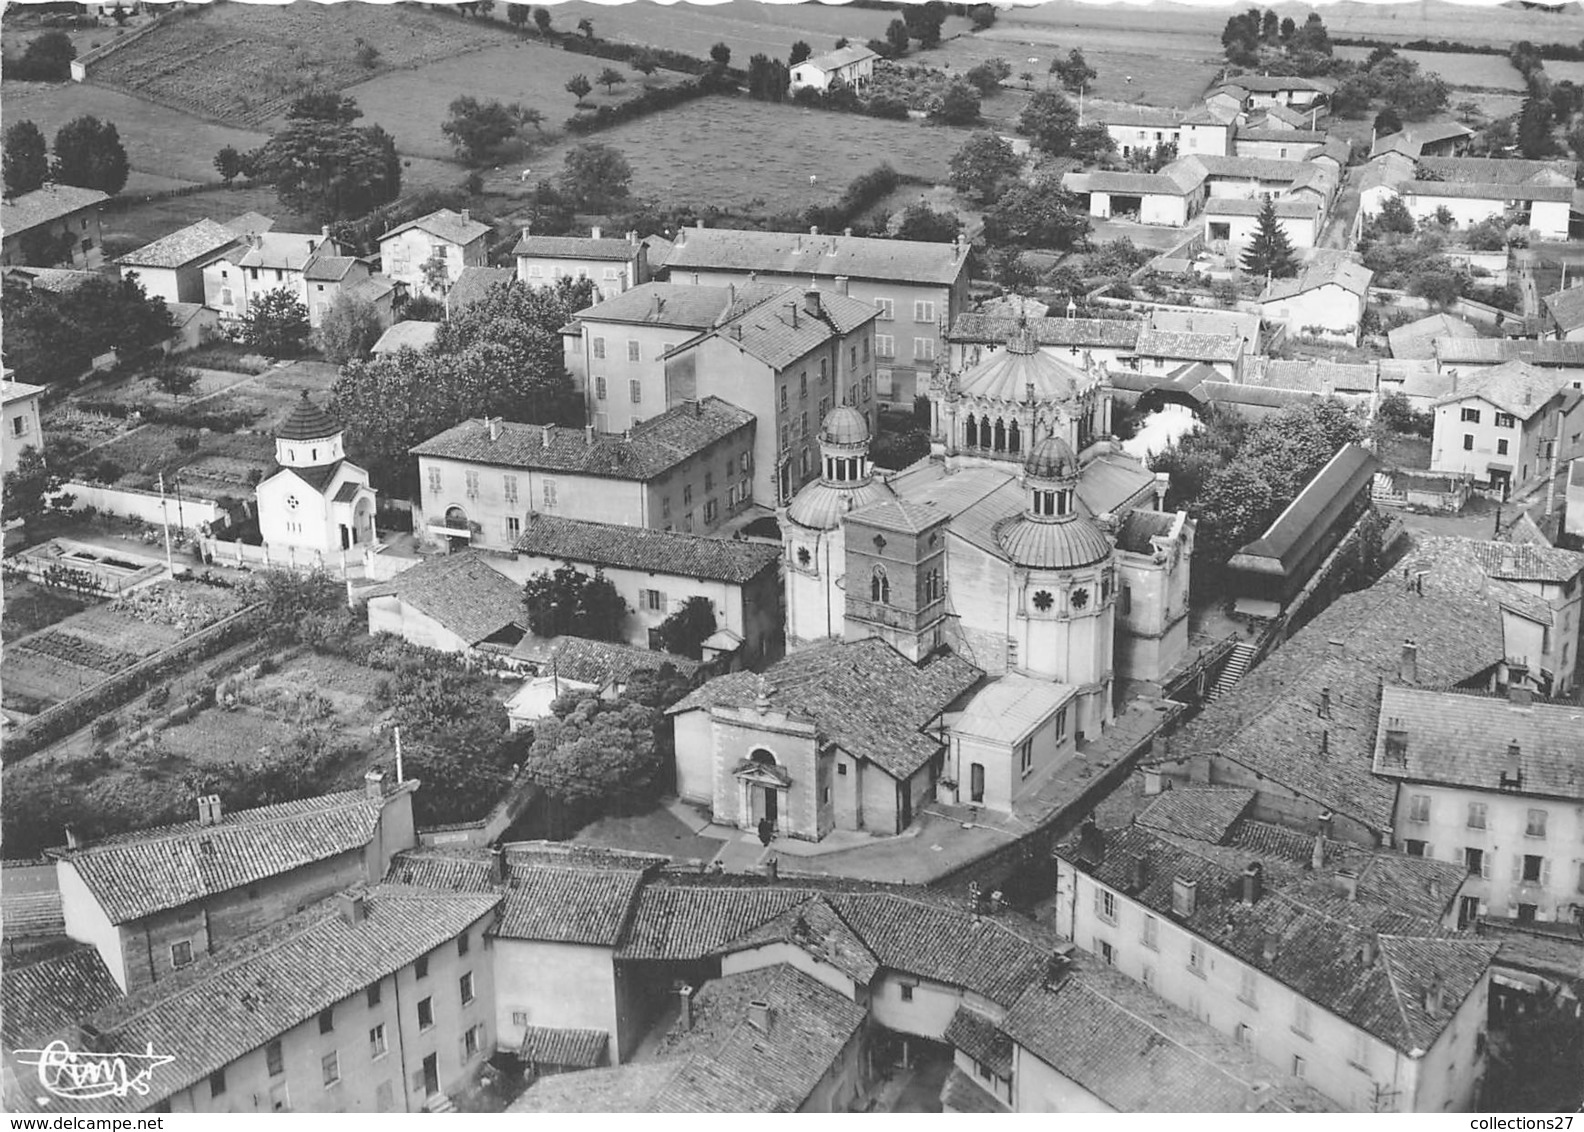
<point x="160" y="834"/>
<point x="1397" y="992"/>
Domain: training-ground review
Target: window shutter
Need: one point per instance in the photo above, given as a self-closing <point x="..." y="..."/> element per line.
<point x="1484" y="908"/>
<point x="1097" y="904"/>
<point x="1517" y="867"/>
<point x="1485" y="866"/>
<point x="1545" y="872"/>
<point x="1429" y="851"/>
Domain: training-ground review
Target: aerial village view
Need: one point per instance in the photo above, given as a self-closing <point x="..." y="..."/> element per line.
<point x="885" y="557"/>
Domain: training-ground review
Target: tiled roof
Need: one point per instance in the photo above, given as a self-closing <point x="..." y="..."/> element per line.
<point x="372" y="289"/>
<point x="825" y="256"/>
<point x="1306" y="520"/>
<point x="1138" y="1053"/>
<point x="647" y="452"/>
<point x="572" y="1049"/>
<point x="450" y="867"/>
<point x="1469" y="190"/>
<point x="620" y="1088"/>
<point x="1287" y="207"/>
<point x="317" y="476"/>
<point x="1006" y="375"/>
<point x="610" y="662"/>
<point x="1144" y="184"/>
<point x="327" y="267"/>
<point x="1248" y="168"/>
<point x="1008" y="708"/>
<point x="308" y="420"/>
<point x="576" y="247"/>
<point x="1353" y="277"/>
<point x="203" y="240"/>
<point x="1238" y="394"/>
<point x="234" y="1001"/>
<point x="1496" y="170"/>
<point x="409" y="334"/>
<point x="463" y="592"/>
<point x="1189" y="345"/>
<point x="735" y="561"/>
<point x="978" y="1036"/>
<point x="445" y="223"/>
<point x="684" y="306"/>
<point x="841" y="57"/>
<point x="57" y="280"/>
<point x="1274" y="84"/>
<point x="1417" y="339"/>
<point x="473" y="283"/>
<point x="1567" y="307"/>
<point x="1311" y="376"/>
<point x="570" y="904"/>
<point x="1245" y="324"/>
<point x="16" y="390"/>
<point x="735" y="1066"/>
<point x="1284" y="135"/>
<point x="279" y="251"/>
<point x="1110" y="333"/>
<point x="781" y="329"/>
<point x="52" y="202"/>
<point x="38" y="1000"/>
<point x="1458" y="739"/>
<point x="137" y="874"/>
<point x="1310" y="928"/>
<point x="864" y="696"/>
<point x="249" y="223"/>
<point x="1204" y="813"/>
<point x="815" y="927"/>
<point x="1139" y="527"/>
<point x="1142" y="116"/>
<point x="1490" y="350"/>
<point x="1270" y="719"/>
<point x="1512" y="562"/>
<point x="1517" y="387"/>
<point x="25" y="914"/>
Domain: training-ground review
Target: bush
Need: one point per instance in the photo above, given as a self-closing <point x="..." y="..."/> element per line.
<point x="159" y="696"/>
<point x="649" y="102"/>
<point x="108" y="471"/>
<point x="105" y="726"/>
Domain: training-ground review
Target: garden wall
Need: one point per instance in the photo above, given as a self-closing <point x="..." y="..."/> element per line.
<point x="148" y="506"/>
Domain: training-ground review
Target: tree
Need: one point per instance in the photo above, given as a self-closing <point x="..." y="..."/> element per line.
<point x="324" y="106"/>
<point x="50" y="337"/>
<point x="1534" y="129"/>
<point x="28" y="488"/>
<point x="26" y="159"/>
<point x="276" y="325"/>
<point x="1093" y="143"/>
<point x="47" y="59"/>
<point x="478" y="130"/>
<point x="89" y="154"/>
<point x="800" y="51"/>
<point x="610" y="78"/>
<point x="1387" y="122"/>
<point x="921" y="222"/>
<point x="1312" y="36"/>
<point x="1074" y="71"/>
<point x="541" y="19"/>
<point x="958" y="105"/>
<point x="330" y="170"/>
<point x="578" y="86"/>
<point x="591" y="750"/>
<point x="924" y="22"/>
<point x="1027" y="79"/>
<point x="585" y="27"/>
<point x="177" y="380"/>
<point x="896" y="39"/>
<point x="1042" y="215"/>
<point x="1289" y="28"/>
<point x="983" y="16"/>
<point x="1393" y="216"/>
<point x="1395" y="414"/>
<point x="517" y="14"/>
<point x="594" y="174"/>
<point x="1050" y="121"/>
<point x="228" y="163"/>
<point x="644" y="62"/>
<point x="986" y="77"/>
<point x="984" y="165"/>
<point x="349" y="328"/>
<point x="1270" y="26"/>
<point x="465" y="771"/>
<point x="686" y="630"/>
<point x="1270" y="252"/>
<point x="720" y="55"/>
<point x="568" y="601"/>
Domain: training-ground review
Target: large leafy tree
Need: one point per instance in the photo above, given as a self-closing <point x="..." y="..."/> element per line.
<point x="276" y="324"/>
<point x="567" y="601"/>
<point x="1050" y="121"/>
<point x="26" y="159"/>
<point x="686" y="630"/>
<point x="591" y="751"/>
<point x="324" y="106"/>
<point x="50" y="336"/>
<point x="1042" y="215"/>
<point x="1074" y="72"/>
<point x="921" y="222"/>
<point x="331" y="170"/>
<point x="595" y="175"/>
<point x="984" y="165"/>
<point x="478" y="130"/>
<point x="349" y="328"/>
<point x="28" y="486"/>
<point x="1270" y="252"/>
<point x="958" y="104"/>
<point x="89" y="154"/>
<point x="47" y="59"/>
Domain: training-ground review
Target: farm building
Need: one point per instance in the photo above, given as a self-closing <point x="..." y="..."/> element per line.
<point x="452" y="603"/>
<point x="1277" y="144"/>
<point x="1232" y="223"/>
<point x="1425" y="139"/>
<point x="615" y="265"/>
<point x="1290" y="91"/>
<point x="850" y="66"/>
<point x="1564" y="314"/>
<point x="1170" y="197"/>
<point x="1325" y="301"/>
<point x="1417" y="339"/>
<point x="172" y="267"/>
<point x="52" y="226"/>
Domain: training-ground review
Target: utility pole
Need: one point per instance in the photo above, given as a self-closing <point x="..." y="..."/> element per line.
<point x="399" y="778"/>
<point x="170" y="565"/>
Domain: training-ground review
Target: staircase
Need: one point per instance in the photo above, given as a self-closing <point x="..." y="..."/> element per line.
<point x="439" y="1103"/>
<point x="1237" y="664"/>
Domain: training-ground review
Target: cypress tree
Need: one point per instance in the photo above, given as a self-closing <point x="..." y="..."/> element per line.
<point x="1270" y="252"/>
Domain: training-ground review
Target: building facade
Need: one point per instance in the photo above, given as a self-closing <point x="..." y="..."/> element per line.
<point x="447" y="239"/>
<point x="53" y="226"/>
<point x="24" y="428"/>
<point x="319" y="503"/>
<point x="614" y="265"/>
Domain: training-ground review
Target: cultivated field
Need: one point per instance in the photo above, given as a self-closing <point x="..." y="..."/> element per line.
<point x="1459" y="71"/>
<point x="771" y="174"/>
<point x="242" y="63"/>
<point x="411" y="105"/>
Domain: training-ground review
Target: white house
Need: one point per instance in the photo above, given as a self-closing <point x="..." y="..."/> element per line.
<point x="1325" y="301"/>
<point x="615" y="265"/>
<point x="1008" y="740"/>
<point x="852" y="66"/>
<point x="264" y="262"/>
<point x="455" y="238"/>
<point x="450" y="603"/>
<point x="23" y="429"/>
<point x="1500" y="423"/>
<point x="1170" y="197"/>
<point x="1233" y="223"/>
<point x="319" y="502"/>
<point x="172" y="267"/>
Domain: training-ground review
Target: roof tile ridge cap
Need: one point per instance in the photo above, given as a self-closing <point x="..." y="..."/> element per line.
<point x="1387" y="966"/>
<point x="163" y="834"/>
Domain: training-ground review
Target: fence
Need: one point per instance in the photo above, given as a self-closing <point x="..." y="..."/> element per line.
<point x="367" y="564"/>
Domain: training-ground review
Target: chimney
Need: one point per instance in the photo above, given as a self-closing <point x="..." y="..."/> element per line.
<point x="466" y="216"/>
<point x="588" y="435"/>
<point x="1520" y="695"/>
<point x="632" y="237"/>
<point x="976" y="900"/>
<point x="1325" y="703"/>
<point x="1408" y="670"/>
<point x="794" y="315"/>
<point x="814" y="230"/>
<point x="1433" y="994"/>
<point x="374" y="785"/>
<point x="324" y="230"/>
<point x="351" y="907"/>
<point x="1512" y="768"/>
<point x="846" y="231"/>
<point x="1325" y="740"/>
<point x="1338" y="647"/>
<point x="1253" y="877"/>
<point x="698" y="407"/>
<point x="72" y="840"/>
<point x="1317" y="858"/>
<point x="594" y="232"/>
<point x="759" y="1015"/>
<point x="772" y="868"/>
<point x="997" y="902"/>
<point x="1138" y="872"/>
<point x="1347" y="880"/>
<point x="685" y="1015"/>
<point x="1152" y="781"/>
<point x="494" y="427"/>
<point x="1270" y="943"/>
<point x="841" y="284"/>
<point x="497" y="867"/>
<point x="1185" y="896"/>
<point x="811" y="302"/>
<point x="1325" y="822"/>
<point x="91" y="1038"/>
<point x="209" y="809"/>
<point x="1091" y="842"/>
<point x="545" y="433"/>
<point x="1056" y="970"/>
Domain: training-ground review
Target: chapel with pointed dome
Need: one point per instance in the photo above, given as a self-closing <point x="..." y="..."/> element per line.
<point x="317" y="503"/>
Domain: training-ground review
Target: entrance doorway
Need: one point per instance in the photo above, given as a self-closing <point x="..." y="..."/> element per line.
<point x="431" y="1074"/>
<point x="1468" y="911"/>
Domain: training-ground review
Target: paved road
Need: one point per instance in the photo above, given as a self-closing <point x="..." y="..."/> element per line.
<point x="1339" y="229"/>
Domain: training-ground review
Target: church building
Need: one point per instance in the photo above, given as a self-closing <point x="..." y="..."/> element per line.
<point x="317" y="503"/>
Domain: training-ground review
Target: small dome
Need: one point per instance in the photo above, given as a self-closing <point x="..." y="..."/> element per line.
<point x="1052" y="459"/>
<point x="1053" y="546"/>
<point x="844" y="425"/>
<point x="308" y="422"/>
<point x="819" y="506"/>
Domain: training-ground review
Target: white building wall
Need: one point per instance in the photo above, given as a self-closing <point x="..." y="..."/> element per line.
<point x="610" y="378"/>
<point x="536" y="979"/>
<point x="1039" y="1088"/>
<point x="86" y="920"/>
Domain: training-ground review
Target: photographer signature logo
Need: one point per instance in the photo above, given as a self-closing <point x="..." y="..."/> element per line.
<point x="71" y="1075"/>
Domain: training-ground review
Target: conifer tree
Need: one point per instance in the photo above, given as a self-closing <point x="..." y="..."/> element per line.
<point x="1270" y="252"/>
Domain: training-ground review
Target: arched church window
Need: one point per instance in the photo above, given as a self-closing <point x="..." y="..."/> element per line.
<point x="984" y="432"/>
<point x="803" y="556"/>
<point x="1105" y="588"/>
<point x="880" y="586"/>
<point x="1000" y="435"/>
<point x="1014" y="438"/>
<point x="1080" y="598"/>
<point x="971" y="433"/>
<point x="762" y="757"/>
<point x="1043" y="601"/>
